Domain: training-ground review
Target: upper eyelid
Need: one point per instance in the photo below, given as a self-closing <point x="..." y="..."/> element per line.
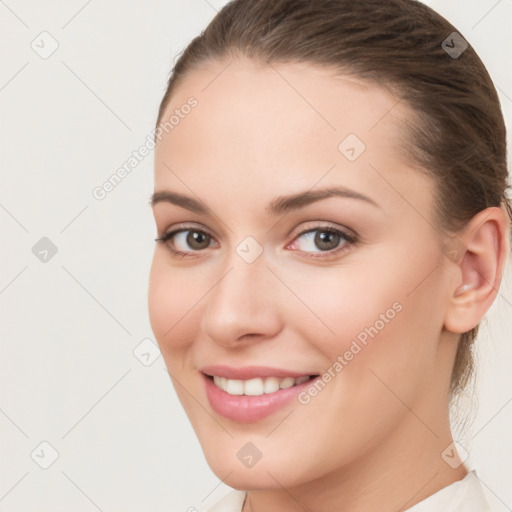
<point x="319" y="224"/>
<point x="186" y="227"/>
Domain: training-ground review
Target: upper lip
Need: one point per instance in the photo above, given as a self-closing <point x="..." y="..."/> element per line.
<point x="250" y="372"/>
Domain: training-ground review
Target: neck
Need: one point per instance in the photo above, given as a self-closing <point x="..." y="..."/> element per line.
<point x="404" y="470"/>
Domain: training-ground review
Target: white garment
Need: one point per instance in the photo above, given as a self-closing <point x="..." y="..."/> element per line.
<point x="466" y="495"/>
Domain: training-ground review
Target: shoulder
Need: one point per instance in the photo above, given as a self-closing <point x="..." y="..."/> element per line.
<point x="232" y="502"/>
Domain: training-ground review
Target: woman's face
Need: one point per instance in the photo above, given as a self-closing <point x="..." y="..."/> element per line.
<point x="281" y="278"/>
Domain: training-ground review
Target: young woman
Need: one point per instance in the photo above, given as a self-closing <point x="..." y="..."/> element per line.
<point x="330" y="202"/>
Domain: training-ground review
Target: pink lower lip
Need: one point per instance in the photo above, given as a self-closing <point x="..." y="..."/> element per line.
<point x="245" y="408"/>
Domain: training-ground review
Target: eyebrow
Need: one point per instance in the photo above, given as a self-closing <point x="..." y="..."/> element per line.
<point x="278" y="206"/>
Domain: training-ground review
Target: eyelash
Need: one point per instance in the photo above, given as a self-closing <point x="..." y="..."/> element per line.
<point x="349" y="240"/>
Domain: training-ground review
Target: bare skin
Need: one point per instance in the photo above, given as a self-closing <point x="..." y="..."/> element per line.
<point x="372" y="438"/>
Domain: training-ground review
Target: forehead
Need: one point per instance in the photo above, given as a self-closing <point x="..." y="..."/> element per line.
<point x="245" y="91"/>
<point x="259" y="125"/>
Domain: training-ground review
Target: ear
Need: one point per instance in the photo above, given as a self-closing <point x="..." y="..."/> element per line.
<point x="479" y="254"/>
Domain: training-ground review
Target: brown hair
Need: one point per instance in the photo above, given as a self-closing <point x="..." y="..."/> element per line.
<point x="458" y="137"/>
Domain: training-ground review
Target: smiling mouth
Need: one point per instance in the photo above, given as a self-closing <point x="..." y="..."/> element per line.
<point x="257" y="386"/>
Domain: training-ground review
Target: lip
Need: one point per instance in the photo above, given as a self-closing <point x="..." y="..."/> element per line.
<point x="251" y="372"/>
<point x="248" y="409"/>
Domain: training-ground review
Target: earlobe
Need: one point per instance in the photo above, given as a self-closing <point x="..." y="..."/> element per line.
<point x="479" y="270"/>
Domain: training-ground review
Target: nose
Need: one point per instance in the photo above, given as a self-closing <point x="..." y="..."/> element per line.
<point x="243" y="304"/>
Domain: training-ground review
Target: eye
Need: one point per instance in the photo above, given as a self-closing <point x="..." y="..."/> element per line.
<point x="318" y="242"/>
<point x="322" y="239"/>
<point x="181" y="242"/>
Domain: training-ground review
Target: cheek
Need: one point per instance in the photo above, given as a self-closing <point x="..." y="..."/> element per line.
<point x="340" y="304"/>
<point x="385" y="317"/>
<point x="383" y="348"/>
<point x="392" y="292"/>
<point x="171" y="300"/>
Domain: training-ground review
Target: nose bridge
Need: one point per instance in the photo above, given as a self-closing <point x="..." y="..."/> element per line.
<point x="243" y="300"/>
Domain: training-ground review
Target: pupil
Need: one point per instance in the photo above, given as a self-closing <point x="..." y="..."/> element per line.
<point x="324" y="240"/>
<point x="196" y="238"/>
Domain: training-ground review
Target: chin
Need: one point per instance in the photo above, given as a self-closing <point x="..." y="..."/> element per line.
<point x="273" y="473"/>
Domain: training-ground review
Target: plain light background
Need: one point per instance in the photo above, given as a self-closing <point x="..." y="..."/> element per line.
<point x="70" y="325"/>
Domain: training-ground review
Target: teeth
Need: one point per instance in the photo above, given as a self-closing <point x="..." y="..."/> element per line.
<point x="257" y="386"/>
<point x="287" y="383"/>
<point x="253" y="387"/>
<point x="271" y="385"/>
<point x="235" y="387"/>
